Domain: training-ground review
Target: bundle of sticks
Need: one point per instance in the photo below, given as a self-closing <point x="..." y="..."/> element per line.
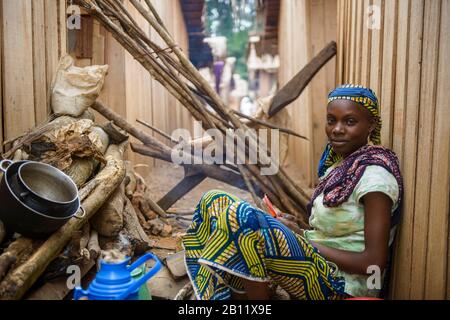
<point x="175" y="72"/>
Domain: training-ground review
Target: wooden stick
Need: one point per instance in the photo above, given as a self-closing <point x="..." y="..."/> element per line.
<point x="167" y="73"/>
<point x="93" y="246"/>
<point x="122" y="123"/>
<point x="130" y="187"/>
<point x="160" y="28"/>
<point x="249" y="185"/>
<point x="296" y="85"/>
<point x="143" y="56"/>
<point x="58" y="289"/>
<point x="134" y="228"/>
<point x="12" y="254"/>
<point x="2" y="230"/>
<point x="184" y="292"/>
<point x="155" y="207"/>
<point x="148" y="125"/>
<point x="269" y="125"/>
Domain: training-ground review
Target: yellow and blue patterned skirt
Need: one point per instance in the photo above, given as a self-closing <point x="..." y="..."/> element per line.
<point x="229" y="240"/>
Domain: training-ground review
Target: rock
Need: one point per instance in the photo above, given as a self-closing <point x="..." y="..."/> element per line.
<point x="171" y="243"/>
<point x="156" y="226"/>
<point x="280" y="294"/>
<point x="163" y="286"/>
<point x="167" y="230"/>
<point x="175" y="264"/>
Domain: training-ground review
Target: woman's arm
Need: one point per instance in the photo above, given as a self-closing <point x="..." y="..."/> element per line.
<point x="377" y="213"/>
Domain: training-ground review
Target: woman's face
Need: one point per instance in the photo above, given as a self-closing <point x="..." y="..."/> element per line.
<point x="348" y="126"/>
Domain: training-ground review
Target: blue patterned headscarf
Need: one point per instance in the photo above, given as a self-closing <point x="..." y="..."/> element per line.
<point x="366" y="98"/>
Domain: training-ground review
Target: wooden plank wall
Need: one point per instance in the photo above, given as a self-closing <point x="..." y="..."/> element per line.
<point x="306" y="26"/>
<point x="405" y="62"/>
<point x="129" y="88"/>
<point x="32" y="39"/>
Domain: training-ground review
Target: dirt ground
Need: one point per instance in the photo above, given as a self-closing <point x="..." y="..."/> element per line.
<point x="165" y="176"/>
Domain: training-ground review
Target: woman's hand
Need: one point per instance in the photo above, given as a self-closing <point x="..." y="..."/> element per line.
<point x="291" y="222"/>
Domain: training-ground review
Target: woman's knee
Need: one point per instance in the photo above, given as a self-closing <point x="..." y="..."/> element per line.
<point x="211" y="194"/>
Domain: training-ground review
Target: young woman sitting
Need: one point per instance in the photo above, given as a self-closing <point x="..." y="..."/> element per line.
<point x="234" y="250"/>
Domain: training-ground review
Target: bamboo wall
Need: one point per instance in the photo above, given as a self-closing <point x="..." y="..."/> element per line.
<point x="129" y="88"/>
<point x="306" y="26"/>
<point x="406" y="63"/>
<point x="32" y="39"/>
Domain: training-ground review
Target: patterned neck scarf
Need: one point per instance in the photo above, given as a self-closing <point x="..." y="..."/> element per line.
<point x="367" y="99"/>
<point x="339" y="184"/>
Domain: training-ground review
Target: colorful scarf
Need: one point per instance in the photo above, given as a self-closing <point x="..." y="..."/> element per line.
<point x="339" y="184"/>
<point x="366" y="98"/>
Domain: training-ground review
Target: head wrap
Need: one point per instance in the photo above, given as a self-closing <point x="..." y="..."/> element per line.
<point x="367" y="99"/>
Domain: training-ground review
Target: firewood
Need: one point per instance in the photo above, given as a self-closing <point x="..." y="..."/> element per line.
<point x="176" y="264"/>
<point x="133" y="227"/>
<point x="18" y="155"/>
<point x="13" y="253"/>
<point x="70" y="255"/>
<point x="292" y="90"/>
<point x="130" y="187"/>
<point x="185" y="292"/>
<point x="142" y="221"/>
<point x="87" y="114"/>
<point x="2" y="231"/>
<point x="57" y="289"/>
<point x="16" y="284"/>
<point x="181" y="212"/>
<point x="115" y="134"/>
<point x="93" y="246"/>
<point x="81" y="169"/>
<point x="167" y="230"/>
<point x="119" y="243"/>
<point x="75" y="253"/>
<point x="37" y="132"/>
<point x="140" y="203"/>
<point x="156" y="226"/>
<point x="84" y="240"/>
<point x="97" y="132"/>
<point x="108" y="221"/>
<point x="153" y="205"/>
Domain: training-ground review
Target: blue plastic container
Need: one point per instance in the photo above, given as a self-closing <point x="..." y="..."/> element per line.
<point x="114" y="281"/>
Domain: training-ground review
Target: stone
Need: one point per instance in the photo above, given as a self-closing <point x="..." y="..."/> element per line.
<point x="176" y="265"/>
<point x="163" y="286"/>
<point x="156" y="226"/>
<point x="166" y="231"/>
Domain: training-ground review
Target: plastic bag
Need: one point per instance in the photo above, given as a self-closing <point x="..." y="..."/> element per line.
<point x="75" y="89"/>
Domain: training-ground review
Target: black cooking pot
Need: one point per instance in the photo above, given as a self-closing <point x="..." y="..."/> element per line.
<point x="45" y="189"/>
<point x="31" y="219"/>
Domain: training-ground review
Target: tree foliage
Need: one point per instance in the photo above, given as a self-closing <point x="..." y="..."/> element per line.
<point x="232" y="19"/>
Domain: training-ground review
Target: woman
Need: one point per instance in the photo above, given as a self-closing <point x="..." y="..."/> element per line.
<point x="234" y="249"/>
